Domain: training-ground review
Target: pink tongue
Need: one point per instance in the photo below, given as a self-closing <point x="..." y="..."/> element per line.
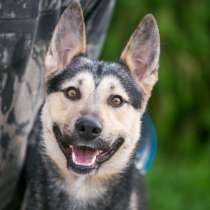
<point x="84" y="156"/>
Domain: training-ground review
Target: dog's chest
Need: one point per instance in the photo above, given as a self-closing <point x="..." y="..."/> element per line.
<point x="85" y="191"/>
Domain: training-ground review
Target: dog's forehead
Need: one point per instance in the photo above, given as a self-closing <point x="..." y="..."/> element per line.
<point x="96" y="71"/>
<point x="113" y="72"/>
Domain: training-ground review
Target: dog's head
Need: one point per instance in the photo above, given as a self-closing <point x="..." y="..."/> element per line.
<point x="93" y="109"/>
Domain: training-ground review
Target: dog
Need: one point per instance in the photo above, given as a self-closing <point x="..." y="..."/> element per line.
<point x="91" y="121"/>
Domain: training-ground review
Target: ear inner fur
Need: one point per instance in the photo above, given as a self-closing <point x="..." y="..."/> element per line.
<point x="68" y="39"/>
<point x="141" y="54"/>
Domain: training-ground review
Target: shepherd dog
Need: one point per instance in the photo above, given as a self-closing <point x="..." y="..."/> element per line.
<point x="91" y="121"/>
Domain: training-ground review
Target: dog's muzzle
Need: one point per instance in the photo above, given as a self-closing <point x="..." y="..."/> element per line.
<point x="85" y="152"/>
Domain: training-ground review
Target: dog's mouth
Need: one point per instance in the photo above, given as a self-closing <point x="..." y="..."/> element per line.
<point x="84" y="159"/>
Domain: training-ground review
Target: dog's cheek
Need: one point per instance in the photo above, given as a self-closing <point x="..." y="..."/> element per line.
<point x="129" y="118"/>
<point x="122" y="121"/>
<point x="62" y="111"/>
<point x="119" y="161"/>
<point x="112" y="127"/>
<point x="58" y="107"/>
<point x="49" y="142"/>
<point x="126" y="122"/>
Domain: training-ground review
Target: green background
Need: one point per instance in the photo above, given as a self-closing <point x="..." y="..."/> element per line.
<point x="180" y="104"/>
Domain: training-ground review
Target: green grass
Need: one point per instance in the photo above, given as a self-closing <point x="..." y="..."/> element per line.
<point x="181" y="184"/>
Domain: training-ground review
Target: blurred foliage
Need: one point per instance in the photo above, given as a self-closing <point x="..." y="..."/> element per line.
<point x="179" y="185"/>
<point x="180" y="103"/>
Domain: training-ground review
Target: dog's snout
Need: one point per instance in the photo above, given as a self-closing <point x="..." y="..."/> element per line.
<point x="88" y="127"/>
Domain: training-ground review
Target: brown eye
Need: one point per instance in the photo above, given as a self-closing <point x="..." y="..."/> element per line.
<point x="72" y="93"/>
<point x="115" y="101"/>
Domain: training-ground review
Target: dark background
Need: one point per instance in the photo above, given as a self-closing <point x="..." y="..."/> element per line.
<point x="180" y="104"/>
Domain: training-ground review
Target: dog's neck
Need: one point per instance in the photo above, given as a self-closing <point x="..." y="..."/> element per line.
<point x="84" y="191"/>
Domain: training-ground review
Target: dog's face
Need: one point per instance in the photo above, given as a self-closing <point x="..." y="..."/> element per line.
<point x="92" y="114"/>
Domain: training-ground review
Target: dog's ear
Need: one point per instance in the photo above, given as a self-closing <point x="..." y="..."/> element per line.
<point x="141" y="54"/>
<point x="68" y="39"/>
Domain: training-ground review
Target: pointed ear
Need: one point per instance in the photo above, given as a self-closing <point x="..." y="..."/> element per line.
<point x="141" y="54"/>
<point x="68" y="39"/>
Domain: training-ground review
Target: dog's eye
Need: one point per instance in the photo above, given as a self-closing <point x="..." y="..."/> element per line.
<point x="115" y="101"/>
<point x="72" y="93"/>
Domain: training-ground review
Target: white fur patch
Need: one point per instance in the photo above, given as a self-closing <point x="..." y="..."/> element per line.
<point x="133" y="201"/>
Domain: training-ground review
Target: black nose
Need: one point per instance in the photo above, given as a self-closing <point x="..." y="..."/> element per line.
<point x="88" y="127"/>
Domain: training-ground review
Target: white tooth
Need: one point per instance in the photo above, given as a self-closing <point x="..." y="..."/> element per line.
<point x="84" y="164"/>
<point x="73" y="157"/>
<point x="93" y="160"/>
